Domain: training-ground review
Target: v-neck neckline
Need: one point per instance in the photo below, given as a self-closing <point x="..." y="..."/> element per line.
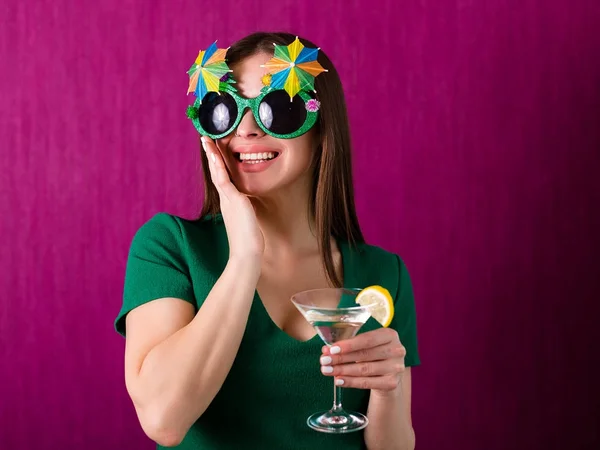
<point x="348" y="281"/>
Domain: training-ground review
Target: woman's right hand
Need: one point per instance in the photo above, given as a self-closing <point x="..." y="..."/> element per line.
<point x="246" y="241"/>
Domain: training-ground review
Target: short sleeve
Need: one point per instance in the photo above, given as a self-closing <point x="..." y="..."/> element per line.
<point x="155" y="268"/>
<point x="405" y="318"/>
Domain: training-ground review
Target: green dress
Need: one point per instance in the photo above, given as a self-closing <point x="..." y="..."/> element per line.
<point x="275" y="382"/>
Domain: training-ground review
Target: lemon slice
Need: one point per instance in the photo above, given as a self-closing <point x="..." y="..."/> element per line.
<point x="381" y="301"/>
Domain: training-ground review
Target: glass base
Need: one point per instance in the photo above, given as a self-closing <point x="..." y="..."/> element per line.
<point x="337" y="421"/>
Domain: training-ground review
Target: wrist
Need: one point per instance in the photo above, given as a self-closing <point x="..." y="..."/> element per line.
<point x="388" y="395"/>
<point x="245" y="264"/>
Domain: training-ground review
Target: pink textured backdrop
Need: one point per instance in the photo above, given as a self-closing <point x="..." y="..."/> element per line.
<point x="476" y="130"/>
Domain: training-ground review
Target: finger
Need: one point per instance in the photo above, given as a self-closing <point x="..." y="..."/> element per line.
<point x="218" y="171"/>
<point x="211" y="167"/>
<point x="365" y="369"/>
<point x="214" y="157"/>
<point x="363" y="341"/>
<point x="383" y="383"/>
<point x="211" y="147"/>
<point x="382" y="352"/>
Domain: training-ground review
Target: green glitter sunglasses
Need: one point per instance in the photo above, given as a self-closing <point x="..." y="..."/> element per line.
<point x="219" y="113"/>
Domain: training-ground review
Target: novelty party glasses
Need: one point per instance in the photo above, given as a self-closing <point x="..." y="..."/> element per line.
<point x="284" y="109"/>
<point x="220" y="113"/>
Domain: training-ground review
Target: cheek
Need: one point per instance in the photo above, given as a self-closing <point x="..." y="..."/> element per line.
<point x="223" y="143"/>
<point x="303" y="148"/>
<point x="300" y="158"/>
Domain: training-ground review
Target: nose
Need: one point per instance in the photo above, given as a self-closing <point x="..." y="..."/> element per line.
<point x="248" y="128"/>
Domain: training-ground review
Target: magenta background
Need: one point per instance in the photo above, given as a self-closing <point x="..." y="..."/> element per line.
<point x="484" y="160"/>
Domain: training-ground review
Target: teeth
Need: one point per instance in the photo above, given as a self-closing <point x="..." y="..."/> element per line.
<point x="265" y="156"/>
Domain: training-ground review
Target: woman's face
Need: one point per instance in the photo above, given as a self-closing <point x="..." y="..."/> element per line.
<point x="292" y="157"/>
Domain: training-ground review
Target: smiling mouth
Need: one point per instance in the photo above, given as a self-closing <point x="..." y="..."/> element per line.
<point x="255" y="158"/>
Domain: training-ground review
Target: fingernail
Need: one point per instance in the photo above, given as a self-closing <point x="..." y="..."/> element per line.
<point x="327" y="369"/>
<point x="213" y="157"/>
<point x="335" y="350"/>
<point x="339" y="382"/>
<point x="203" y="139"/>
<point x="326" y="360"/>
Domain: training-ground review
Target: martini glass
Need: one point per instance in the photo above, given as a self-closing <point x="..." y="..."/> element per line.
<point x="336" y="317"/>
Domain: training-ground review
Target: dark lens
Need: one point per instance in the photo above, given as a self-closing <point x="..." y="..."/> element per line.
<point x="281" y="116"/>
<point x="217" y="113"/>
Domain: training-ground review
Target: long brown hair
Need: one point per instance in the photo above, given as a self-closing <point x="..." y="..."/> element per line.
<point x="332" y="199"/>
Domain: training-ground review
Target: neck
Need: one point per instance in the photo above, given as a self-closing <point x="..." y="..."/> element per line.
<point x="286" y="222"/>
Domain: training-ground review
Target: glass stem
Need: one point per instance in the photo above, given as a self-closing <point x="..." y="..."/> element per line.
<point x="337" y="398"/>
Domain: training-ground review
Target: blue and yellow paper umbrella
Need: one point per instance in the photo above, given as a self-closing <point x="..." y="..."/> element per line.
<point x="207" y="71"/>
<point x="294" y="68"/>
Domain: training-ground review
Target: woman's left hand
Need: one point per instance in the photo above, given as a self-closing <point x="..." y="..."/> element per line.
<point x="371" y="360"/>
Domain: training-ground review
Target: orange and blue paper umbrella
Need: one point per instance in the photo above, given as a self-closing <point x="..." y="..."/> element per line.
<point x="294" y="68"/>
<point x="207" y="71"/>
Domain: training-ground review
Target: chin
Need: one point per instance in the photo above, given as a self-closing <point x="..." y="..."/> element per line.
<point x="255" y="188"/>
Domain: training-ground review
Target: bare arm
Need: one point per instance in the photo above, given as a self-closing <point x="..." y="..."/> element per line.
<point x="176" y="363"/>
<point x="390" y="424"/>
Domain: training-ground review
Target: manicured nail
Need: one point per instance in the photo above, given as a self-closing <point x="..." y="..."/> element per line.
<point x="339" y="382"/>
<point x="326" y="360"/>
<point x="213" y="157"/>
<point x="335" y="350"/>
<point x="327" y="369"/>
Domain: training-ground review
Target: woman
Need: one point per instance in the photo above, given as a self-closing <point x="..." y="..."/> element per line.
<point x="217" y="357"/>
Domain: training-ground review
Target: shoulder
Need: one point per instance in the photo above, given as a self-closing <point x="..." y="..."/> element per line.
<point x="380" y="264"/>
<point x="159" y="225"/>
<point x="375" y="253"/>
<point x="378" y="257"/>
<point x="191" y="245"/>
<point x="174" y="230"/>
